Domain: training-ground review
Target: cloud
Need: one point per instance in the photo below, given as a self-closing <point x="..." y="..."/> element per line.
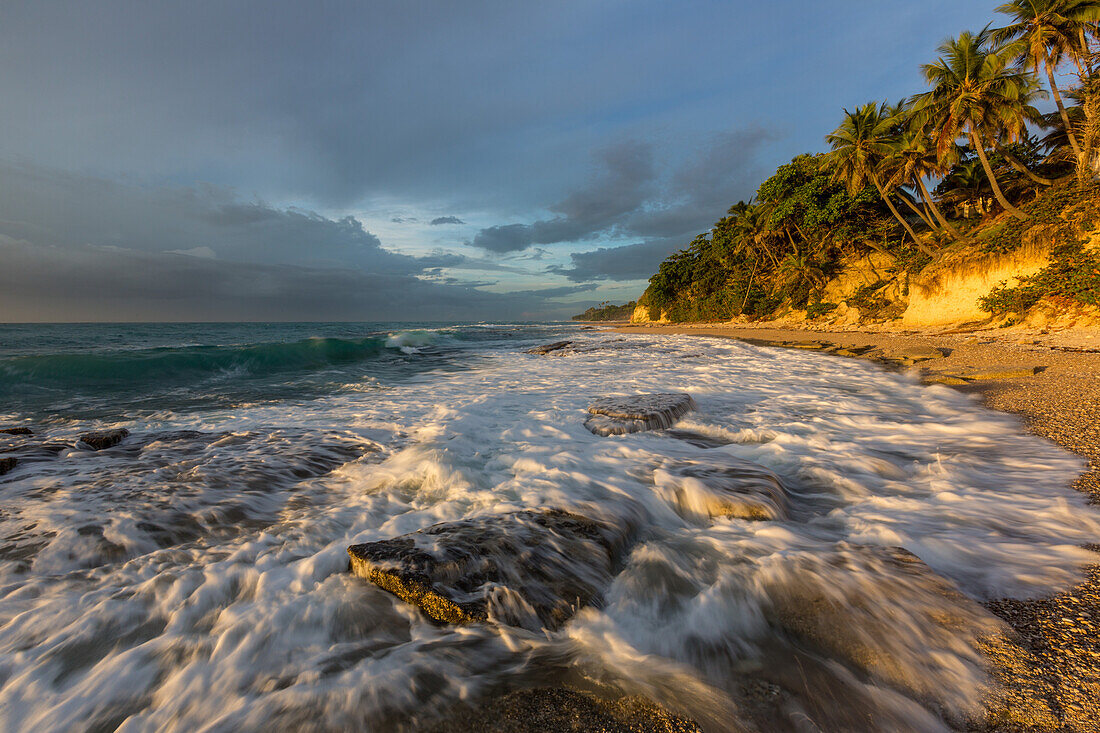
<point x="445" y="220"/>
<point x="561" y="292"/>
<point x="630" y="262"/>
<point x="624" y="184"/>
<point x="82" y="248"/>
<point x="630" y="202"/>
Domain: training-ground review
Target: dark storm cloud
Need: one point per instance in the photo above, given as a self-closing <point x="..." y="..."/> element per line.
<point x="563" y="291"/>
<point x="79" y="248"/>
<point x="54" y="283"/>
<point x="625" y="203"/>
<point x="629" y="262"/>
<point x="445" y="220"/>
<point x="624" y="183"/>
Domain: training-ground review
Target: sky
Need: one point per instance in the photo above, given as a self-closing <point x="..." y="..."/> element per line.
<point x="407" y="159"/>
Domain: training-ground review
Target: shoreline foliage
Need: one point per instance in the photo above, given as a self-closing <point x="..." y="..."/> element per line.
<point x="606" y="311"/>
<point x="969" y="165"/>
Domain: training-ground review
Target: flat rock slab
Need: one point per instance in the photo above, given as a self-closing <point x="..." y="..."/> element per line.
<point x="633" y="414"/>
<point x="102" y="439"/>
<point x="553" y="349"/>
<point x="532" y="569"/>
<point x="811" y="345"/>
<point x="913" y="354"/>
<point x="851" y="603"/>
<point x="17" y="431"/>
<point x="730" y="488"/>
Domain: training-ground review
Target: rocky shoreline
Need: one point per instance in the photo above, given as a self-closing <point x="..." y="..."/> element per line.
<point x="1050" y="666"/>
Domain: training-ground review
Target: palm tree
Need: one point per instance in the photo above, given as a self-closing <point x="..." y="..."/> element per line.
<point x="1050" y="31"/>
<point x="964" y="183"/>
<point x="914" y="158"/>
<point x="976" y="94"/>
<point x="751" y="230"/>
<point x="859" y="147"/>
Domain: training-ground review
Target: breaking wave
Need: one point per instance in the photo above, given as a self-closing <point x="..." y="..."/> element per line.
<point x="183" y="364"/>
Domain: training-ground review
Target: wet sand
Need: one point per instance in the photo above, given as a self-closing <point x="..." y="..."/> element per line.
<point x="1050" y="666"/>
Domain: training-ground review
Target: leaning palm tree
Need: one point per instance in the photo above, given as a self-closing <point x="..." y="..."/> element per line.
<point x="976" y="93"/>
<point x="914" y="158"/>
<point x="1049" y="32"/>
<point x="859" y="147"/>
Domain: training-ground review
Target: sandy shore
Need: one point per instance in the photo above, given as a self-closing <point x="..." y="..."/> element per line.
<point x="1051" y="666"/>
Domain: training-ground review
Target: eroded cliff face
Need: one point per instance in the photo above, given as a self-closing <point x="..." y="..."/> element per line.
<point x="641" y="315"/>
<point x="870" y="291"/>
<point x="947" y="292"/>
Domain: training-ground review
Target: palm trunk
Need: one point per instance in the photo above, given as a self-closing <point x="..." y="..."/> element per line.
<point x="916" y="210"/>
<point x="1062" y="111"/>
<point x="979" y="148"/>
<point x="748" y="289"/>
<point x="898" y="216"/>
<point x="790" y="238"/>
<point x="1015" y="163"/>
<point x="935" y="209"/>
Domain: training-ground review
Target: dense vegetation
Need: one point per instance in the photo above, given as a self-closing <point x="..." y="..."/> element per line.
<point x="607" y="312"/>
<point x="1000" y="168"/>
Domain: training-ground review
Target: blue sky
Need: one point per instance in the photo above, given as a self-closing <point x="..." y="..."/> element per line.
<point x="390" y="160"/>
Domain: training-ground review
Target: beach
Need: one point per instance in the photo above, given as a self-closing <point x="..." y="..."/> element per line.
<point x="1052" y="664"/>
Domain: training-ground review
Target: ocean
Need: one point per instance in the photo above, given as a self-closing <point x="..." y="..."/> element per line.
<point x="195" y="576"/>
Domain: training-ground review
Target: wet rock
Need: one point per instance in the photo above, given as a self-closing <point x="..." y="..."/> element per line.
<point x="102" y="439"/>
<point x="849" y="351"/>
<point x="17" y="431"/>
<point x="731" y="488"/>
<point x="557" y="346"/>
<point x="34" y="452"/>
<point x="850" y="604"/>
<point x="945" y="379"/>
<point x="633" y="414"/>
<point x="563" y="709"/>
<point x="810" y="345"/>
<point x="532" y="569"/>
<point x="7" y="463"/>
<point x="913" y="354"/>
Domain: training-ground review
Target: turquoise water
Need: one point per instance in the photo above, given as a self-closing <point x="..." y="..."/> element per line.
<point x="121" y="371"/>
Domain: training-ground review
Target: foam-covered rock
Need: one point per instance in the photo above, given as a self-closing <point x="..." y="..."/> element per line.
<point x="532" y="569"/>
<point x="635" y="413"/>
<point x="880" y="610"/>
<point x="554" y="349"/>
<point x="103" y="439"/>
<point x="725" y="488"/>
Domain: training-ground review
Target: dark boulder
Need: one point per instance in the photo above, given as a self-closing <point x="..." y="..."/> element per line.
<point x="101" y="439"/>
<point x="557" y="346"/>
<point x="17" y="431"/>
<point x="633" y="414"/>
<point x="532" y="569"/>
<point x="6" y="464"/>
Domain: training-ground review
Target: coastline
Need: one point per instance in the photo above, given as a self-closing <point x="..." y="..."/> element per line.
<point x="1050" y="667"/>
